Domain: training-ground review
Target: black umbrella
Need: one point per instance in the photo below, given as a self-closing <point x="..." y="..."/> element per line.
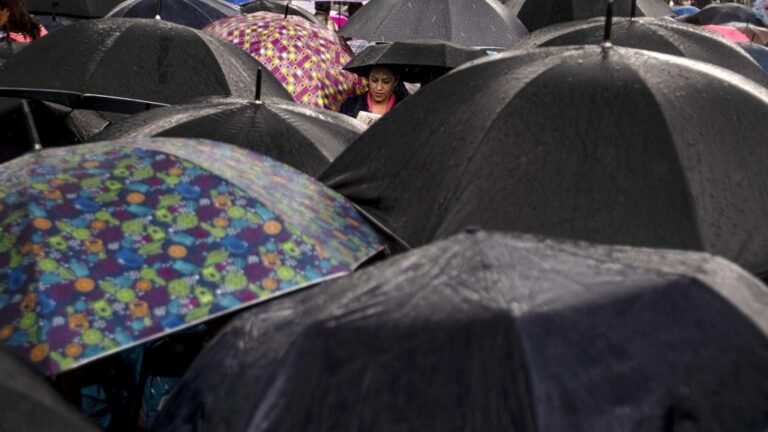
<point x="489" y="332"/>
<point x="76" y="8"/>
<point x="660" y="35"/>
<point x="466" y="22"/>
<point x="722" y="13"/>
<point x="611" y="145"/>
<point x="307" y="139"/>
<point x="127" y="65"/>
<point x="417" y="61"/>
<point x="191" y="13"/>
<point x="277" y="7"/>
<point x="758" y="52"/>
<point x="536" y="14"/>
<point x="30" y="404"/>
<point x="52" y="126"/>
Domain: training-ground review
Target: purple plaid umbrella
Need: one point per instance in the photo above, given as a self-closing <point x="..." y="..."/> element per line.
<point x="107" y="245"/>
<point x="307" y="59"/>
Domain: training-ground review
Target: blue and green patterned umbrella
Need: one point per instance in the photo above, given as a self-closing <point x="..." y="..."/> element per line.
<point x="107" y="245"/>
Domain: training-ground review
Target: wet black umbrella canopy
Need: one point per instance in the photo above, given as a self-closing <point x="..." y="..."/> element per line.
<point x="191" y="13"/>
<point x="307" y="139"/>
<point x="536" y="14"/>
<point x="490" y="332"/>
<point x="416" y="61"/>
<point x="615" y="145"/>
<point x="466" y="22"/>
<point x="654" y="34"/>
<point x="112" y="63"/>
<point x="722" y="13"/>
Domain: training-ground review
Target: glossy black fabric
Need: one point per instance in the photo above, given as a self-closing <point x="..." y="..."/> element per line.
<point x="75" y="8"/>
<point x="489" y="332"/>
<point x="307" y="139"/>
<point x="660" y="35"/>
<point x="191" y="13"/>
<point x="465" y="22"/>
<point x="722" y="13"/>
<point x="278" y="7"/>
<point x="30" y="404"/>
<point x="138" y="59"/>
<point x="417" y="61"/>
<point x="536" y="14"/>
<point x="617" y="146"/>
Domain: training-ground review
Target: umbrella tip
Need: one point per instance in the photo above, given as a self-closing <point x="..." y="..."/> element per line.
<point x="287" y="7"/>
<point x="258" y="85"/>
<point x="608" y="25"/>
<point x="633" y="9"/>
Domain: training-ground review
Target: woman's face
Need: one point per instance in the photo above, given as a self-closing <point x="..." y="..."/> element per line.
<point x="381" y="83"/>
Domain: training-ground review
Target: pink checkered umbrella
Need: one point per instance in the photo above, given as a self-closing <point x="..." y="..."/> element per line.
<point x="305" y="58"/>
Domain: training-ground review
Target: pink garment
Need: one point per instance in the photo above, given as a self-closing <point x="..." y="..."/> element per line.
<point x="20" y="37"/>
<point x="339" y="20"/>
<point x="729" y="32"/>
<point x="390" y="104"/>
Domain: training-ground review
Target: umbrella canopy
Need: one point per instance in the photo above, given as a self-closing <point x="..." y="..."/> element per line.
<point x="417" y="61"/>
<point x="660" y="35"/>
<point x="32" y="405"/>
<point x="307" y="59"/>
<point x="754" y="34"/>
<point x="729" y="33"/>
<point x="722" y="13"/>
<point x="495" y="333"/>
<point x="465" y="22"/>
<point x="55" y="125"/>
<point x="279" y="8"/>
<point x="536" y="14"/>
<point x="611" y="145"/>
<point x="191" y="13"/>
<point x="107" y="245"/>
<point x="304" y="138"/>
<point x="127" y="65"/>
<point x="757" y="52"/>
<point x="74" y="8"/>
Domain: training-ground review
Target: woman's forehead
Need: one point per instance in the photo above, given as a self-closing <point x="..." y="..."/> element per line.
<point x="379" y="72"/>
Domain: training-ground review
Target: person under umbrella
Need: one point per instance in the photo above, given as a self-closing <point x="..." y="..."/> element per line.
<point x="17" y="24"/>
<point x="495" y="332"/>
<point x="385" y="90"/>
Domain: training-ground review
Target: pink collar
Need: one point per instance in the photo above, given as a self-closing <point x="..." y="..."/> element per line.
<point x="390" y="104"/>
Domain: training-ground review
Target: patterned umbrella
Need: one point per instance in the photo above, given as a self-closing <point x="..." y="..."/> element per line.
<point x="306" y="58"/>
<point x="107" y="245"/>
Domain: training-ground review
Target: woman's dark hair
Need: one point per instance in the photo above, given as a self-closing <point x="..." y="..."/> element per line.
<point x="19" y="20"/>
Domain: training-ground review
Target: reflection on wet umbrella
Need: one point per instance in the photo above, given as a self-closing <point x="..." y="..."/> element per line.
<point x="31" y="404"/>
<point x="129" y="65"/>
<point x="307" y="139"/>
<point x="73" y="8"/>
<point x="107" y="245"/>
<point x="417" y="61"/>
<point x="536" y="14"/>
<point x="611" y="145"/>
<point x="660" y="35"/>
<point x="465" y="22"/>
<point x="307" y="59"/>
<point x="722" y="13"/>
<point x="278" y="8"/>
<point x="489" y="332"/>
<point x="191" y="13"/>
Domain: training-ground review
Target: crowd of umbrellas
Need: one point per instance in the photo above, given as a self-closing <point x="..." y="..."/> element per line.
<point x="562" y="229"/>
